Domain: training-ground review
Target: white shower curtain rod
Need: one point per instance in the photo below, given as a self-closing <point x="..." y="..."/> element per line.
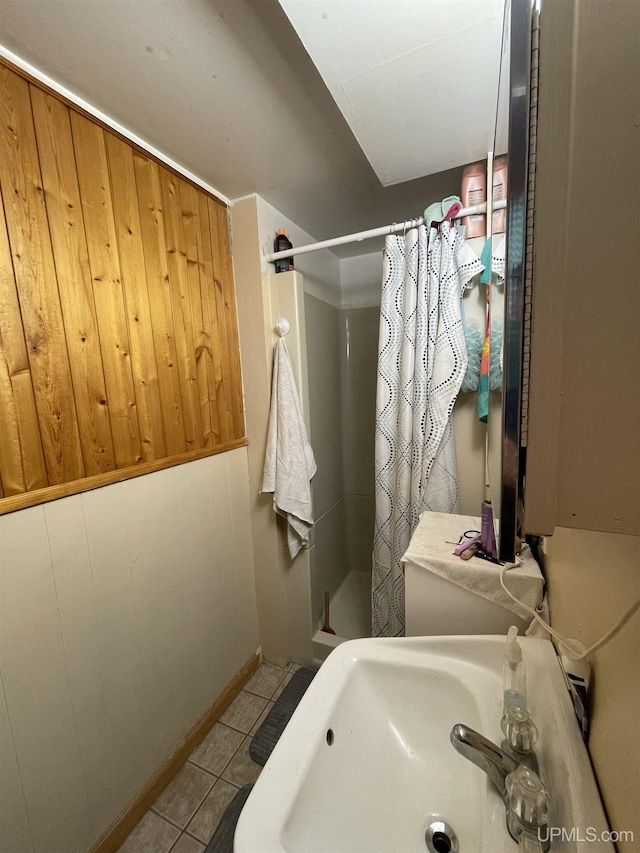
<point x="374" y="232"/>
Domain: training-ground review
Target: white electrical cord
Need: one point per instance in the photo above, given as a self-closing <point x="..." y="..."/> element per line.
<point x="576" y="654"/>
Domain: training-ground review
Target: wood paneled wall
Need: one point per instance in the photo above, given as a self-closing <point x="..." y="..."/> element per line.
<point x="119" y="346"/>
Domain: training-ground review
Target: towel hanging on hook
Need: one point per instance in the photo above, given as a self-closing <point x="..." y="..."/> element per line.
<point x="289" y="460"/>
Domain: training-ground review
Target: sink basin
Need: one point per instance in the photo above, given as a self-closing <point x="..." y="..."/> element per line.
<point x="366" y="764"/>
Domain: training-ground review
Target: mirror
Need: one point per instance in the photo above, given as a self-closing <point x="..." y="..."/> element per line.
<point x="508" y="300"/>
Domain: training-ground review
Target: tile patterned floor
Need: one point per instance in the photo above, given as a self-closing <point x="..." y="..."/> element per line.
<point x="186" y="814"/>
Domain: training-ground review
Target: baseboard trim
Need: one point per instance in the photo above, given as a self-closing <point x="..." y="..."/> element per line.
<point x="114" y="837"/>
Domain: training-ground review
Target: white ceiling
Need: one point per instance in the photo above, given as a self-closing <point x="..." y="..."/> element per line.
<point x="226" y="88"/>
<point x="416" y="81"/>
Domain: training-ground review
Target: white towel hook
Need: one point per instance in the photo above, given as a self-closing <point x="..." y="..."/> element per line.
<point x="283" y="326"/>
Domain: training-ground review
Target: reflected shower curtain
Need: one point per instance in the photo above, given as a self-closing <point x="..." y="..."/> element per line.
<point x="422" y="359"/>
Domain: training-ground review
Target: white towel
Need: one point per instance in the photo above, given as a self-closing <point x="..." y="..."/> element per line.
<point x="289" y="462"/>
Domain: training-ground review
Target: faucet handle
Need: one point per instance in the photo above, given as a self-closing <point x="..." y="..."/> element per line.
<point x="527" y="798"/>
<point x="519" y="729"/>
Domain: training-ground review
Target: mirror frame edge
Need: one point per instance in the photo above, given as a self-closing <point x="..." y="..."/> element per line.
<point x="517" y="188"/>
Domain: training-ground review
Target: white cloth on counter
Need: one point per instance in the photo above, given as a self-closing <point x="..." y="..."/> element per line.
<point x="289" y="461"/>
<point x="431" y="549"/>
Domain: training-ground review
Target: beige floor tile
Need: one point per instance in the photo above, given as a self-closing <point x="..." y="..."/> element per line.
<point x="260" y="719"/>
<point x="242" y="770"/>
<point x="152" y="835"/>
<point x="295" y="667"/>
<point x="179" y="801"/>
<point x="243" y="711"/>
<point x="217" y="749"/>
<point x="282" y="685"/>
<point x="203" y="824"/>
<point x="187" y="844"/>
<point x="265" y="680"/>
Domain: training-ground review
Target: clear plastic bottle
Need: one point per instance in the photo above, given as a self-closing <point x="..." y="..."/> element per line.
<point x="513" y="673"/>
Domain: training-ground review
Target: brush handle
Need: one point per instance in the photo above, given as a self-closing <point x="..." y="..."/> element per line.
<point x="326" y="628"/>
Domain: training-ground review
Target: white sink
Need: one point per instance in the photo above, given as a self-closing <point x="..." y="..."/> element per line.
<point x="366" y="764"/>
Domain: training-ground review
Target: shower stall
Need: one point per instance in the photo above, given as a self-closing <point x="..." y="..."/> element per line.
<point x="333" y="343"/>
<point x="341" y="363"/>
<point x="341" y="348"/>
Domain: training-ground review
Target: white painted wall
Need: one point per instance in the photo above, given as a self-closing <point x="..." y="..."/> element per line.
<point x="593" y="579"/>
<point x="321" y="270"/>
<point x="124" y="613"/>
<point x="415" y="81"/>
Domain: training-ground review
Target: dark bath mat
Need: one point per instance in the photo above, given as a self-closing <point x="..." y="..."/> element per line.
<point x="274" y="723"/>
<point x="222" y="838"/>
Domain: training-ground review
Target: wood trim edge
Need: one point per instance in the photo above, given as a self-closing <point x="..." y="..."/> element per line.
<point x="115" y="836"/>
<point x="52" y="493"/>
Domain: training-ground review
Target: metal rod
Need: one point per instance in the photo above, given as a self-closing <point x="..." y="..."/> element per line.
<point x="373" y="232"/>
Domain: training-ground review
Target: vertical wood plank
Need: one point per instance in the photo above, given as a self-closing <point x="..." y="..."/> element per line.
<point x="210" y="319"/>
<point x="216" y="297"/>
<point x="22" y="465"/>
<point x="37" y="285"/>
<point x="181" y="308"/>
<point x="95" y="193"/>
<point x="67" y="229"/>
<point x="150" y="206"/>
<point x="134" y="282"/>
<point x="226" y="303"/>
<point x="195" y="270"/>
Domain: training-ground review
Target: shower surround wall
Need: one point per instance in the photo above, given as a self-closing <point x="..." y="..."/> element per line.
<point x="359" y="328"/>
<point x="341" y="359"/>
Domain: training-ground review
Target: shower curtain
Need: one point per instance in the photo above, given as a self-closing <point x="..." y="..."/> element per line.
<point x="422" y="359"/>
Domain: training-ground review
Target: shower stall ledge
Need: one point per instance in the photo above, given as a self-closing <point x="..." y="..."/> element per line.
<point x="350" y="614"/>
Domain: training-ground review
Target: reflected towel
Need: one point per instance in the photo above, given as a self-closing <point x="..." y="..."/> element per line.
<point x="289" y="461"/>
<point x="437" y="212"/>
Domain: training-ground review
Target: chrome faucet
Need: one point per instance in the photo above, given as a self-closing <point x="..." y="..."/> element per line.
<point x="524" y="796"/>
